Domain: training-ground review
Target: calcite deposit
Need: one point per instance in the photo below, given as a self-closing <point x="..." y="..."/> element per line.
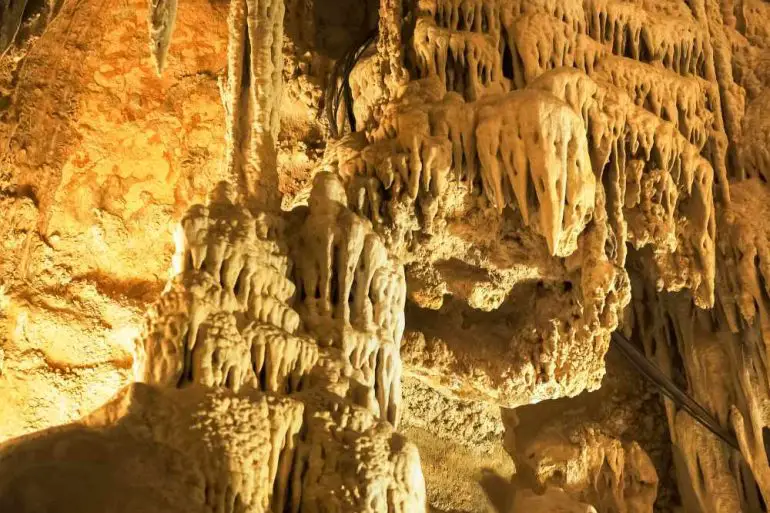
<point x="246" y="242"/>
<point x="240" y="394"/>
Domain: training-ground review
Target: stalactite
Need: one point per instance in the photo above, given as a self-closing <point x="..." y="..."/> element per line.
<point x="592" y="467"/>
<point x="246" y="393"/>
<point x="723" y="354"/>
<point x="251" y="93"/>
<point x="514" y="170"/>
<point x="162" y="17"/>
<point x="523" y="141"/>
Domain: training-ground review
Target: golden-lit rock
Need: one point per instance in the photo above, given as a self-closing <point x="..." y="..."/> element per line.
<point x="468" y="194"/>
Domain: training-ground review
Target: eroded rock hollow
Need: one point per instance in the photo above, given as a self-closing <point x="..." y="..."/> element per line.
<point x="455" y="256"/>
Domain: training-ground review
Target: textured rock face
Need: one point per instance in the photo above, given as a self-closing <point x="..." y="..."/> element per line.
<point x="239" y="396"/>
<point x="595" y="126"/>
<point x="721" y="358"/>
<point x="87" y="219"/>
<point x="497" y="187"/>
<point x="598" y="469"/>
<point x="200" y="449"/>
<point x="553" y="500"/>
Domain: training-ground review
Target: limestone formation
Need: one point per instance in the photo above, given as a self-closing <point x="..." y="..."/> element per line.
<point x="251" y="92"/>
<point x="554" y="500"/>
<point x="161" y="20"/>
<point x="235" y="395"/>
<point x="594" y="468"/>
<point x="549" y="112"/>
<point x="207" y="449"/>
<point x="470" y="195"/>
<point x="722" y="361"/>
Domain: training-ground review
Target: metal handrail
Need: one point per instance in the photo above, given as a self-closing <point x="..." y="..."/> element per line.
<point x="671" y="390"/>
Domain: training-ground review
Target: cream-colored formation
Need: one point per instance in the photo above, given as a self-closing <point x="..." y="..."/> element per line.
<point x="722" y="355"/>
<point x="224" y="319"/>
<point x="251" y="93"/>
<point x="203" y="449"/>
<point x="227" y="318"/>
<point x="429" y="136"/>
<point x="253" y="400"/>
<point x="610" y="129"/>
<point x="592" y="467"/>
<point x="546" y="113"/>
<point x="351" y="292"/>
<point x="523" y="177"/>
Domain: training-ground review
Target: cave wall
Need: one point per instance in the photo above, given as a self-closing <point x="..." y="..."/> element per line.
<point x="546" y="172"/>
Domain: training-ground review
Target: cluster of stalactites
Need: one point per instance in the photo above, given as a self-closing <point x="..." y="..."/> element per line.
<point x="457" y="42"/>
<point x="226" y="324"/>
<point x="351" y="292"/>
<point x="647" y="96"/>
<point x="525" y="148"/>
<point x="744" y="301"/>
<point x="689" y="103"/>
<point x="510" y="43"/>
<point x="227" y="317"/>
<point x="745" y="291"/>
<point x="723" y="353"/>
<point x="531" y="142"/>
<point x="591" y="466"/>
<point x="710" y="475"/>
<point x="664" y="62"/>
<point x="529" y="149"/>
<point x="655" y="179"/>
<point x="752" y="145"/>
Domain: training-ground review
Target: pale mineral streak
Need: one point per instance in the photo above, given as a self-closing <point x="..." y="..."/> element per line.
<point x="161" y="19"/>
<point x="251" y="92"/>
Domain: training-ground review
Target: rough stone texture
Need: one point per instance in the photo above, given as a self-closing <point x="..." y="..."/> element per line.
<point x="554" y="500"/>
<point x="466" y="467"/>
<point x="252" y="422"/>
<point x="721" y="352"/>
<point x="100" y="158"/>
<point x="607" y="448"/>
<point x="524" y="178"/>
<point x="201" y="449"/>
<point x="547" y="117"/>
